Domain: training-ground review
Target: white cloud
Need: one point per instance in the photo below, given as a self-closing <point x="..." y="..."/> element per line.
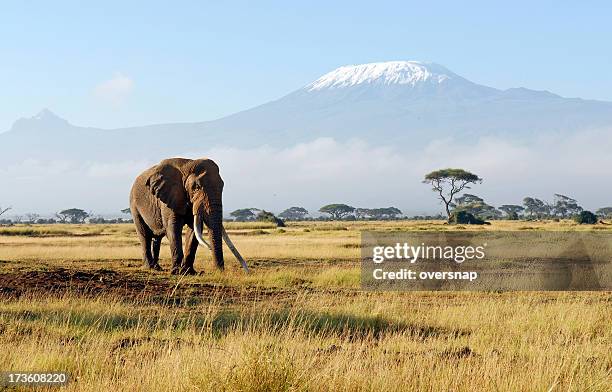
<point x="328" y="171"/>
<point x="114" y="91"/>
<point x="128" y="169"/>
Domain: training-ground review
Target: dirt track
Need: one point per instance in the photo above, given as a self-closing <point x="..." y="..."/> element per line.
<point x="145" y="286"/>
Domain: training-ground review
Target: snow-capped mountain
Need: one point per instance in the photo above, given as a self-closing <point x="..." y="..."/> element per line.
<point x="387" y="73"/>
<point x="396" y="102"/>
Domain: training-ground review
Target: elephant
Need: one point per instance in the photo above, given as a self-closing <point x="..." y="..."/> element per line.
<point x="174" y="193"/>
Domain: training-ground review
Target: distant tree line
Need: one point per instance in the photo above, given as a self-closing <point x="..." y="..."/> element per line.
<point x="71" y="215"/>
<point x="329" y="211"/>
<point x="448" y="183"/>
<point x="562" y="207"/>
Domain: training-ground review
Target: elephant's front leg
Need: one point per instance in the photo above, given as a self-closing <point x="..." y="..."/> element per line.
<point x="174" y="229"/>
<point x="191" y="247"/>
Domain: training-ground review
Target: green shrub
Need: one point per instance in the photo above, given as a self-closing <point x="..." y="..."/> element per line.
<point x="267" y="216"/>
<point x="586" y="218"/>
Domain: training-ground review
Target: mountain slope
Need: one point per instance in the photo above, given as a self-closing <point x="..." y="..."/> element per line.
<point x="414" y="102"/>
<point x="399" y="102"/>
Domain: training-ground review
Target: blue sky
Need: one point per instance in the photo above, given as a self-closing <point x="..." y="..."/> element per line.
<point x="123" y="63"/>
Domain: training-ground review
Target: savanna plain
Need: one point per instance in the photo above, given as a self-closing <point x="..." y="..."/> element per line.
<point x="75" y="298"/>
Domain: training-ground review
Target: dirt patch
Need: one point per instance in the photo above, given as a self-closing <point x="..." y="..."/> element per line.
<point x="141" y="286"/>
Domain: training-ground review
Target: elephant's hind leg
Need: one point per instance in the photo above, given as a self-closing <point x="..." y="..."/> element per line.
<point x="145" y="235"/>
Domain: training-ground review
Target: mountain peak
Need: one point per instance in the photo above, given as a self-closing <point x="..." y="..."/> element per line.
<point x="46" y="114"/>
<point x="384" y="73"/>
<point x="45" y="119"/>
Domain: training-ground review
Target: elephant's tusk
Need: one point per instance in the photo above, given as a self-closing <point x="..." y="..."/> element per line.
<point x="231" y="246"/>
<point x="197" y="228"/>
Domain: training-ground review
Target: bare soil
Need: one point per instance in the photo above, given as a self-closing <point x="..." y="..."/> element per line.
<point x="137" y="286"/>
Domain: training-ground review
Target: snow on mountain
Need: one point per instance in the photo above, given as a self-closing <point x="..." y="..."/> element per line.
<point x="395" y="102"/>
<point x="385" y="73"/>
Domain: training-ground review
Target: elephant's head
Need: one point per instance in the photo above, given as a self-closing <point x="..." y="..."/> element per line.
<point x="182" y="184"/>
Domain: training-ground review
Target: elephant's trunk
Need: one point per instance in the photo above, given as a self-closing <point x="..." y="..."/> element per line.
<point x="213" y="217"/>
<point x="215" y="227"/>
<point x="210" y="214"/>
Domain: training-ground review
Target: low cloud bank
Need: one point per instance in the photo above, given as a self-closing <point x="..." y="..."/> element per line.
<point x="328" y="171"/>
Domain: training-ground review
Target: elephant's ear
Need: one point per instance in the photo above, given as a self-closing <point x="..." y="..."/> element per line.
<point x="166" y="183"/>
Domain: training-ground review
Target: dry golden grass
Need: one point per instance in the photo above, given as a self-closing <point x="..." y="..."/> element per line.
<point x="298" y="323"/>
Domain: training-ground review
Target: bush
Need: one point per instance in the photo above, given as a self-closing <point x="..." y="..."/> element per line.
<point x="267" y="216"/>
<point x="465" y="218"/>
<point x="586" y="218"/>
<point x="513" y="216"/>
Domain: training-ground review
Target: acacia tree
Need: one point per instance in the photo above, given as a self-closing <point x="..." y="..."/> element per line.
<point x="377" y="213"/>
<point x="565" y="206"/>
<point x="337" y="211"/>
<point x="466" y="199"/>
<point x="267" y="216"/>
<point x="449" y="182"/>
<point x="605" y="212"/>
<point x="476" y="206"/>
<point x="294" y="213"/>
<point x="363" y="213"/>
<point x="244" y="214"/>
<point x="74" y="215"/>
<point x="473" y="204"/>
<point x="536" y="207"/>
<point x="387" y="213"/>
<point x="512" y="210"/>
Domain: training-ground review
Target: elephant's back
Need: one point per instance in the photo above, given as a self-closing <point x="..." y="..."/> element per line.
<point x="144" y="204"/>
<point x="139" y="187"/>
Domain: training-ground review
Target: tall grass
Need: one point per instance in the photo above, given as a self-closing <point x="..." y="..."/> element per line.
<point x="326" y="342"/>
<point x="299" y="322"/>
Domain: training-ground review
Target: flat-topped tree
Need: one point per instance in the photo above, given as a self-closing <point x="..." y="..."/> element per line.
<point x="72" y="215"/>
<point x="512" y="211"/>
<point x="536" y="208"/>
<point x="337" y="211"/>
<point x="565" y="206"/>
<point x="465" y="199"/>
<point x="377" y="213"/>
<point x="449" y="182"/>
<point x="476" y="206"/>
<point x="245" y="214"/>
<point x="294" y="213"/>
<point x="267" y="216"/>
